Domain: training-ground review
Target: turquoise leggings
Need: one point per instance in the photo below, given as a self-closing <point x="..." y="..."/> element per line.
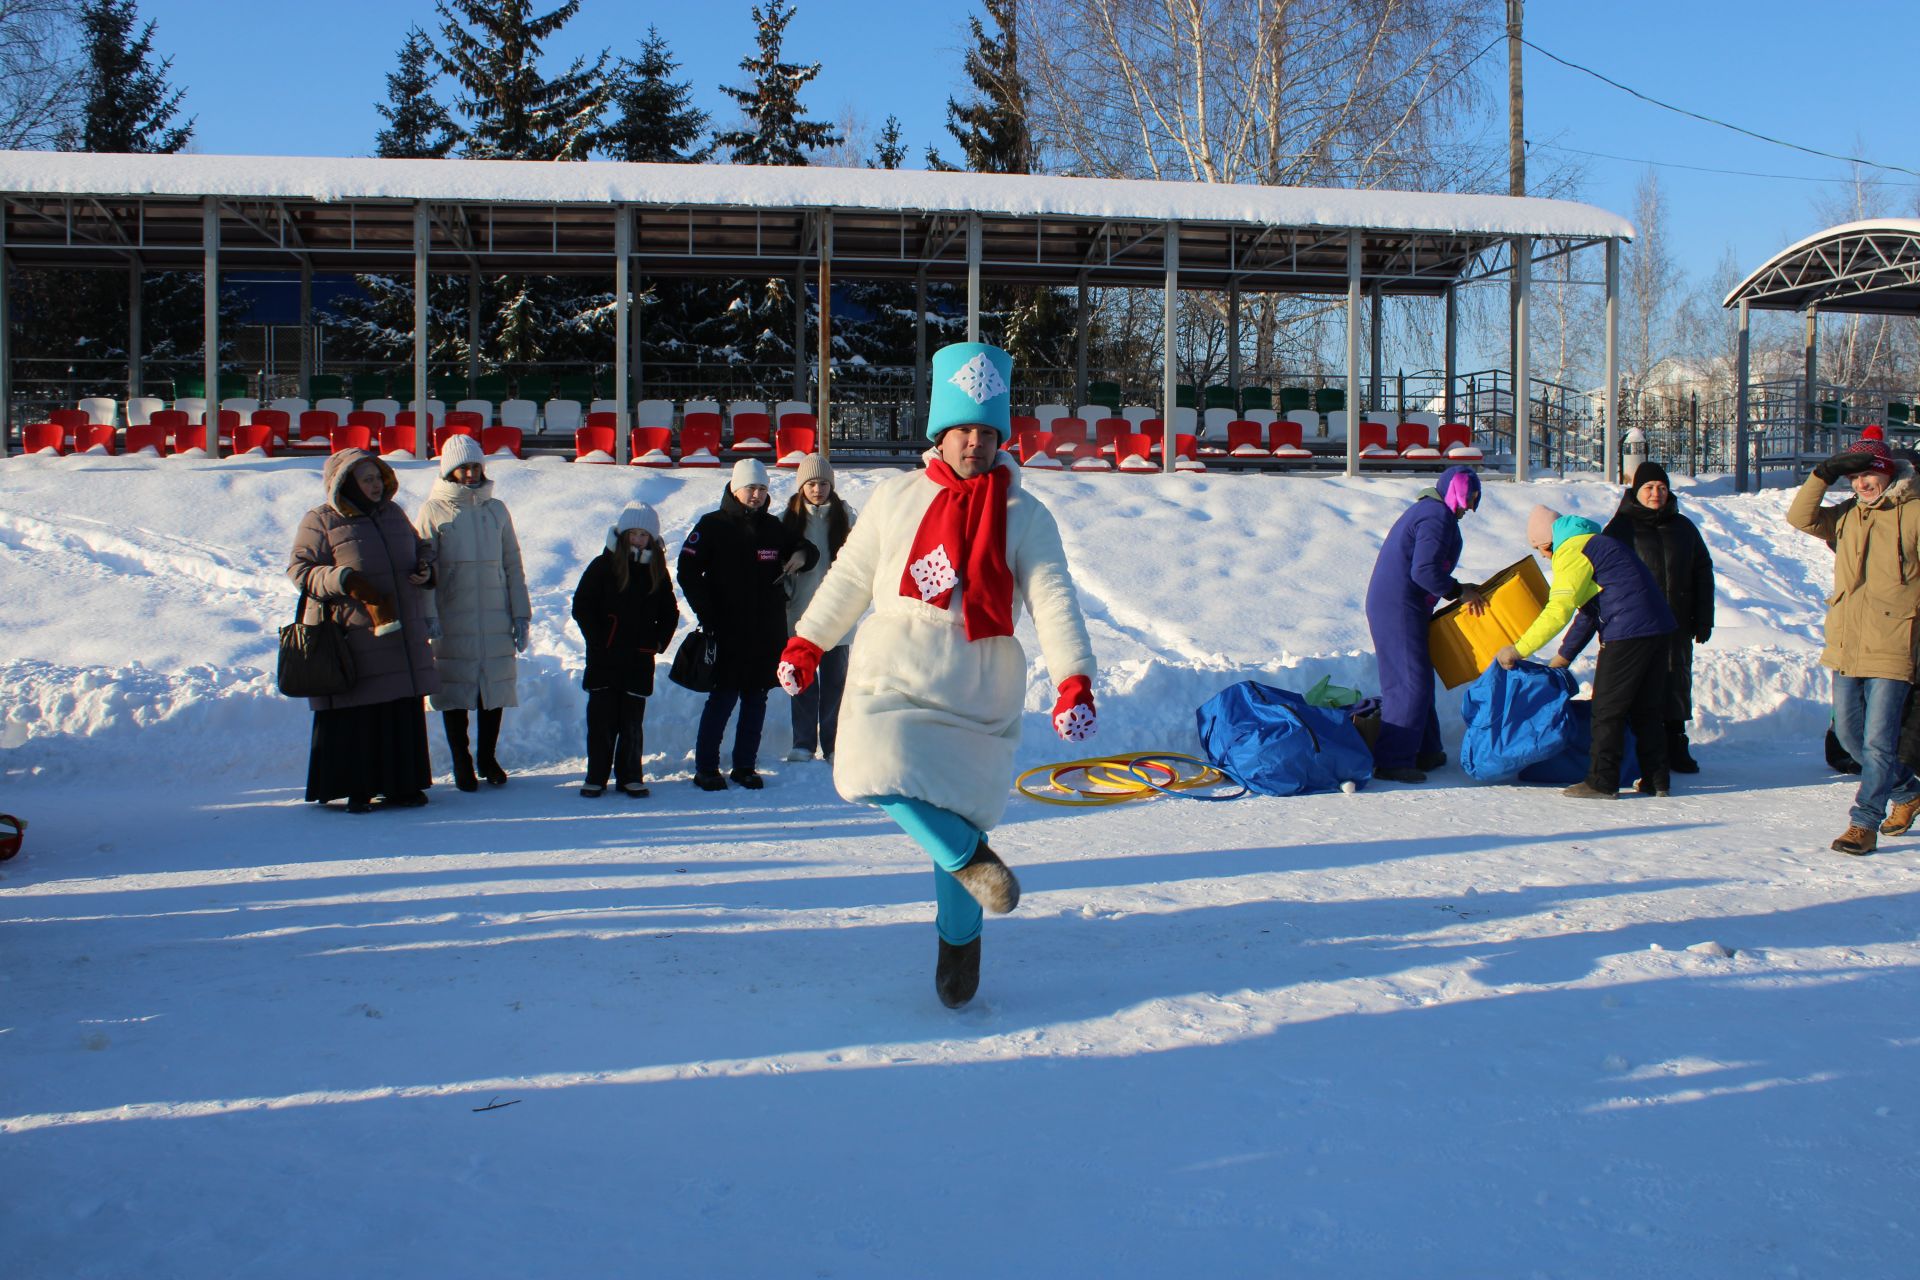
<point x="950" y="840"/>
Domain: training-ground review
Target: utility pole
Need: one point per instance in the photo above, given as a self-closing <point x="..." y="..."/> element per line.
<point x="1516" y="186"/>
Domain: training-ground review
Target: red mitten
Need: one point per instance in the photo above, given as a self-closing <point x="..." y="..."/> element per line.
<point x="798" y="663"/>
<point x="1073" y="715"/>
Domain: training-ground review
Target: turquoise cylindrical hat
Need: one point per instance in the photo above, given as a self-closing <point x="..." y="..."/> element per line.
<point x="972" y="387"/>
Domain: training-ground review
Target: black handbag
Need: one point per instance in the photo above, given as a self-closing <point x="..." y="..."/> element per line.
<point x="693" y="665"/>
<point x="315" y="661"/>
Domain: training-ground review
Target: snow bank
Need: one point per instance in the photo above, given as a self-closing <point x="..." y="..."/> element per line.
<point x="144" y="596"/>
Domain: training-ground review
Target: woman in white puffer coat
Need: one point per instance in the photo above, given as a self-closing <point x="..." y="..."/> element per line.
<point x="478" y="611"/>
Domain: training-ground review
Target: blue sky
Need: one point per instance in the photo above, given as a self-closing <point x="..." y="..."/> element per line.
<point x="269" y="79"/>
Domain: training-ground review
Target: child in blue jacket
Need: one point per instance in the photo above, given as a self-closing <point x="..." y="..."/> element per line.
<point x="1600" y="586"/>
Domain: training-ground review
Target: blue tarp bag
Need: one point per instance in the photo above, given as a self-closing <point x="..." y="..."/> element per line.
<point x="1517" y="718"/>
<point x="1571" y="765"/>
<point x="1271" y="741"/>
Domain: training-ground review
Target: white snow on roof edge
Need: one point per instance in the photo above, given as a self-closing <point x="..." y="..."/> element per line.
<point x="1892" y="226"/>
<point x="332" y="179"/>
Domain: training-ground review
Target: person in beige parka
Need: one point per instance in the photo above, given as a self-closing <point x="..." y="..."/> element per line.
<point x="1871" y="626"/>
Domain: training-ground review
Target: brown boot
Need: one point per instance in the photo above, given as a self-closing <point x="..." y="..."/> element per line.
<point x="1857" y="840"/>
<point x="1901" y="818"/>
<point x="987" y="878"/>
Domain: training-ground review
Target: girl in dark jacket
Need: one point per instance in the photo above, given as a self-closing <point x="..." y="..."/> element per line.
<point x="731" y="569"/>
<point x="624" y="606"/>
<point x="1671" y="547"/>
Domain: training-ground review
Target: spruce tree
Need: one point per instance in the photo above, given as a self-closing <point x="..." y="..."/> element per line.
<point x="418" y="127"/>
<point x="130" y="107"/>
<point x="1035" y="324"/>
<point x="511" y="110"/>
<point x="889" y="150"/>
<point x="64" y="317"/>
<point x="774" y="131"/>
<point x="655" y="119"/>
<point x="514" y="111"/>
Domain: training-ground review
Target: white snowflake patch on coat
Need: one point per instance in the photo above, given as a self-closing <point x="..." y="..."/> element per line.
<point x="933" y="573"/>
<point x="979" y="379"/>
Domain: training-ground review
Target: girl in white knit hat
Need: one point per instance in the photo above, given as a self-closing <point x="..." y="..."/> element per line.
<point x="624" y="607"/>
<point x="478" y="614"/>
<point x="818" y="514"/>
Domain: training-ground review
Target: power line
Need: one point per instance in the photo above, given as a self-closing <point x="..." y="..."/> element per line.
<point x="1738" y="173"/>
<point x="1668" y="106"/>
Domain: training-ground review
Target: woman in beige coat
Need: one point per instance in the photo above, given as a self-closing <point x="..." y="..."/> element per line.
<point x="478" y="611"/>
<point x="361" y="563"/>
<point x="1871" y="631"/>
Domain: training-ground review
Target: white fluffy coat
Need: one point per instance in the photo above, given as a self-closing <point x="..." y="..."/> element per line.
<point x="479" y="589"/>
<point x="928" y="713"/>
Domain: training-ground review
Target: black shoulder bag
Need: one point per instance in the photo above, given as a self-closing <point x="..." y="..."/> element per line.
<point x="315" y="661"/>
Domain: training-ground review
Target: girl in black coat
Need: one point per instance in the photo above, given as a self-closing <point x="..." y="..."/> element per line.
<point x="1650" y="522"/>
<point x="624" y="606"/>
<point x="731" y="569"/>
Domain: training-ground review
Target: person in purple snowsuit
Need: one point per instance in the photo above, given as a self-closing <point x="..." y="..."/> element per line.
<point x="1414" y="570"/>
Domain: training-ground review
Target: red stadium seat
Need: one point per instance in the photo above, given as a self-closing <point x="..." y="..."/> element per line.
<point x="254" y="435"/>
<point x="71" y="419"/>
<point x="354" y="435"/>
<point x="279" y="421"/>
<point x="371" y="419"/>
<point x="650" y="446"/>
<point x="498" y="439"/>
<point x="593" y="440"/>
<point x="401" y="437"/>
<point x="1372" y="442"/>
<point x="700" y="440"/>
<point x="1285" y="438"/>
<point x="1131" y="452"/>
<point x="1107" y="432"/>
<point x="751" y="430"/>
<point x="43" y="437"/>
<point x="796" y="440"/>
<point x="1245" y="440"/>
<point x="1456" y="442"/>
<point x="443" y="434"/>
<point x="95" y="435"/>
<point x="191" y="436"/>
<point x="316" y="425"/>
<point x="1412" y="440"/>
<point x="149" y="436"/>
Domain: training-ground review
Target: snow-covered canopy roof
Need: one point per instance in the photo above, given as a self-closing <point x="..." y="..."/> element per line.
<point x="357" y="214"/>
<point x="1871" y="267"/>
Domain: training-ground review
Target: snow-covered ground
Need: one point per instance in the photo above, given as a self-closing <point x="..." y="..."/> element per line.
<point x="1450" y="1030"/>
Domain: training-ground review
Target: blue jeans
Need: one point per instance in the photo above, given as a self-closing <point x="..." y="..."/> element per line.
<point x="950" y="840"/>
<point x="1866" y="719"/>
<point x="713" y="723"/>
<point x="816" y="709"/>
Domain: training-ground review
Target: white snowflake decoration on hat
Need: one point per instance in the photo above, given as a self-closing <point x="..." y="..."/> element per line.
<point x="979" y="379"/>
<point x="933" y="573"/>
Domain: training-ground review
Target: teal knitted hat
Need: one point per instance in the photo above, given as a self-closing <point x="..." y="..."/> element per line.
<point x="972" y="387"/>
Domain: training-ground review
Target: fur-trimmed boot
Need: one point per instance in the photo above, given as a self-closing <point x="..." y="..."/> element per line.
<point x="957" y="976"/>
<point x="989" y="880"/>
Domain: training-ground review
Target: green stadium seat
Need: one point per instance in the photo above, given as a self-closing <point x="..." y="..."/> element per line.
<point x="491" y="386"/>
<point x="364" y="385"/>
<point x="537" y="387"/>
<point x="1223" y="398"/>
<point x="1185" y="397"/>
<point x="1252" y="398"/>
<point x="233" y="386"/>
<point x="1106" y="393"/>
<point x="1329" y="400"/>
<point x="326" y="386"/>
<point x="1293" y="399"/>
<point x="575" y="386"/>
<point x="447" y="386"/>
<point x="190" y="386"/>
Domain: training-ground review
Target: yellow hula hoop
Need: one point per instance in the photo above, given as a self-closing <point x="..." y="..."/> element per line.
<point x="1121" y="786"/>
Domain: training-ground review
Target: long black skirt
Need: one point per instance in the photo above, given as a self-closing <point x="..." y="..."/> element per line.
<point x="380" y="750"/>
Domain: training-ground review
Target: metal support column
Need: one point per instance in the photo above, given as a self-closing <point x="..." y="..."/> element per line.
<point x="473" y="332"/>
<point x="1611" y="446"/>
<point x="1742" y="425"/>
<point x="422" y="420"/>
<point x="136" y="322"/>
<point x="1810" y="353"/>
<point x="1082" y="315"/>
<point x="1376" y="376"/>
<point x="1522" y="359"/>
<point x="210" y="322"/>
<point x="636" y="338"/>
<point x="823" y="413"/>
<point x="799" y="332"/>
<point x="1353" y="353"/>
<point x="1233" y="348"/>
<point x="622" y="328"/>
<point x="6" y="345"/>
<point x="919" y="354"/>
<point x="1170" y="373"/>
<point x="1451" y="358"/>
<point x="973" y="277"/>
<point x="307" y="338"/>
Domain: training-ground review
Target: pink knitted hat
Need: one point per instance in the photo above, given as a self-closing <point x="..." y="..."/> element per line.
<point x="1540" y="526"/>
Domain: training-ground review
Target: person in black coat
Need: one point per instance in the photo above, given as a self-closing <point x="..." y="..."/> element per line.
<point x="732" y="568"/>
<point x="1650" y="522"/>
<point x="624" y="606"/>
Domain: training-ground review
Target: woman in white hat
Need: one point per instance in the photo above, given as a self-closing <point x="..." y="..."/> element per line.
<point x="730" y="570"/>
<point x="818" y="514"/>
<point x="624" y="606"/>
<point x="477" y="613"/>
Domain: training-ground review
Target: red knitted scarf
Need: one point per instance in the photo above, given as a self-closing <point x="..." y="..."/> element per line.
<point x="963" y="539"/>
